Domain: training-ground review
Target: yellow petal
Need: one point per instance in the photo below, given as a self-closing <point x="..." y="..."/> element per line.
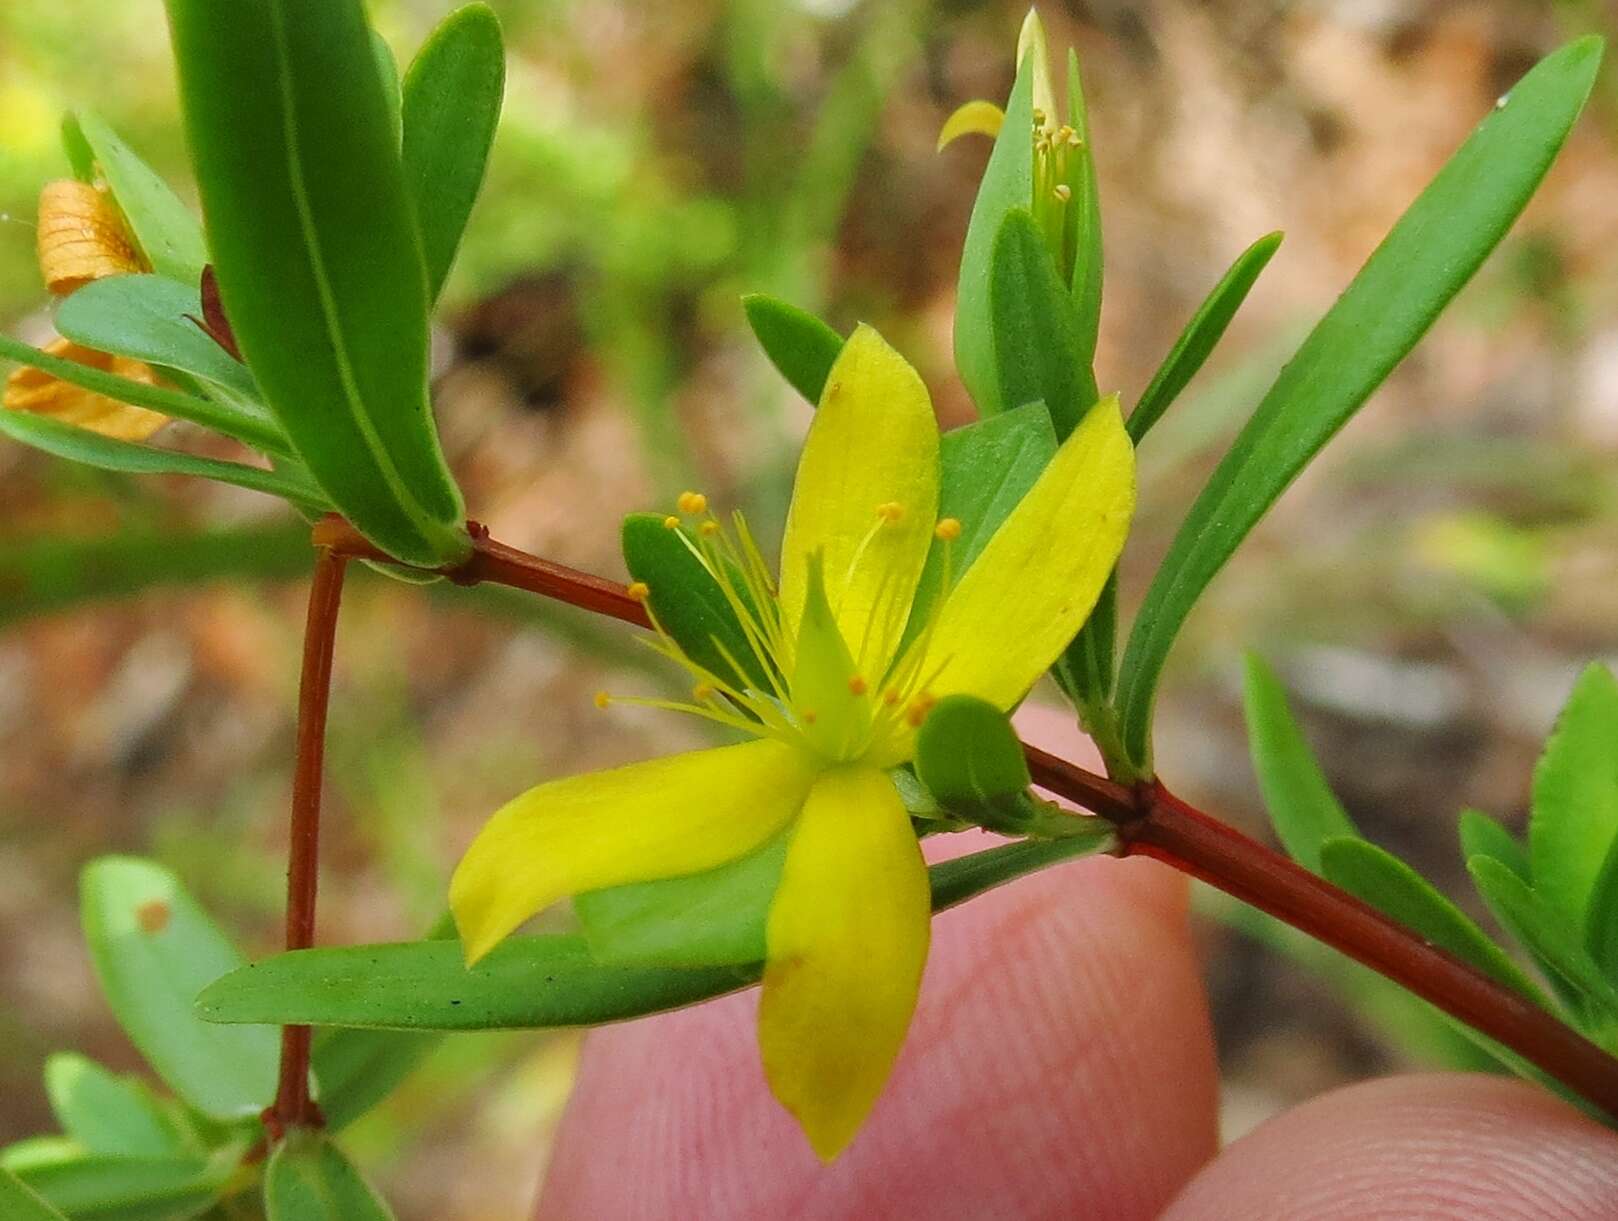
<point x="81" y="237"/>
<point x="651" y="820"/>
<point x="847" y="940"/>
<point x="1031" y="41"/>
<point x="1034" y="584"/>
<point x="29" y="389"/>
<point x="977" y="118"/>
<point x="871" y="451"/>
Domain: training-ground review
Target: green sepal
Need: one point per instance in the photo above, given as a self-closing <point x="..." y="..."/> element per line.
<point x="969" y="757"/>
<point x="800" y="346"/>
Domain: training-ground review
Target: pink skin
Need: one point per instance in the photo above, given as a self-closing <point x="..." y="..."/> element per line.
<point x="1060" y="1065"/>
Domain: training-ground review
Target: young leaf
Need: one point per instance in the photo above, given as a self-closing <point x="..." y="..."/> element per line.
<point x="1008" y="182"/>
<point x="1035" y="330"/>
<point x="1601" y="917"/>
<point x="1543" y="929"/>
<point x="130" y="1188"/>
<point x="150" y="318"/>
<point x="1301" y="804"/>
<point x="801" y="347"/>
<point x="1483" y="836"/>
<point x="319" y="264"/>
<point x="452" y="96"/>
<point x="1084" y="219"/>
<point x="153" y="949"/>
<point x="164" y="228"/>
<point x="1201" y="334"/>
<point x="309" y="1179"/>
<point x="969" y="757"/>
<point x="1575" y="808"/>
<point x="1425" y="259"/>
<point x="19" y="1202"/>
<point x="710" y="919"/>
<point x="984" y="470"/>
<point x="1381" y="879"/>
<point x="255" y="430"/>
<point x="106" y="1113"/>
<point x="529" y="982"/>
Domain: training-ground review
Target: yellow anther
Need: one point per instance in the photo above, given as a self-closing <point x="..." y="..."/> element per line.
<point x="708" y="529"/>
<point x="948" y="529"/>
<point x="1039" y="117"/>
<point x="638" y="590"/>
<point x="890" y="697"/>
<point x="602" y="699"/>
<point x="1063" y="192"/>
<point x="856" y="686"/>
<point x="890" y="511"/>
<point x="809" y="716"/>
<point x="671" y="522"/>
<point x="702" y="692"/>
<point x="919" y="708"/>
<point x="692" y="503"/>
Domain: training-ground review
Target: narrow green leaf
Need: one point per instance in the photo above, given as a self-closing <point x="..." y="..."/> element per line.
<point x="1575" y="807"/>
<point x="710" y="919"/>
<point x="970" y="759"/>
<point x="149" y="318"/>
<point x="539" y="981"/>
<point x="984" y="471"/>
<point x="801" y="347"/>
<point x="164" y="228"/>
<point x="227" y="420"/>
<point x="1483" y="836"/>
<point x="1084" y="219"/>
<point x="1008" y="182"/>
<point x="1425" y="259"/>
<point x="452" y="97"/>
<point x="80" y="157"/>
<point x="19" y="1202"/>
<point x="1035" y="330"/>
<point x="92" y="449"/>
<point x="357" y="1069"/>
<point x="309" y="1179"/>
<point x="106" y="1113"/>
<point x="1196" y="343"/>
<point x="34" y="1152"/>
<point x="1381" y="879"/>
<point x="1301" y="804"/>
<point x="687" y="600"/>
<point x="1544" y="929"/>
<point x="319" y="264"/>
<point x="153" y="949"/>
<point x="1601" y="917"/>
<point x="96" y="1187"/>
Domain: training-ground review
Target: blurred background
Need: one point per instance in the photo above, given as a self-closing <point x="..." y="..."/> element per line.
<point x="1428" y="590"/>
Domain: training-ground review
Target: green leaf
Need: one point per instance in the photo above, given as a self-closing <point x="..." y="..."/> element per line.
<point x="77" y="149"/>
<point x="984" y="471"/>
<point x="1483" y="836"/>
<point x="687" y="600"/>
<point x="1575" y="803"/>
<point x="357" y="1069"/>
<point x="230" y="421"/>
<point x="309" y="1179"/>
<point x="1542" y="928"/>
<point x="149" y="318"/>
<point x="1601" y="917"/>
<point x="970" y="759"/>
<point x="34" y="1152"/>
<point x="1035" y="330"/>
<point x="319" y="264"/>
<point x="1196" y="343"/>
<point x="1381" y="879"/>
<point x="96" y="1187"/>
<point x="153" y="949"/>
<point x="540" y="981"/>
<point x="452" y="97"/>
<point x="387" y="67"/>
<point x="801" y="347"/>
<point x="1084" y="219"/>
<point x="164" y="228"/>
<point x="19" y="1202"/>
<point x="106" y="1113"/>
<point x="1426" y="258"/>
<point x="710" y="919"/>
<point x="93" y="449"/>
<point x="1301" y="804"/>
<point x="1008" y="182"/>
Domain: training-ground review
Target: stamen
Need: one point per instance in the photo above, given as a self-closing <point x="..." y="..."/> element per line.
<point x="891" y="697"/>
<point x="671" y="522"/>
<point x="702" y="693"/>
<point x="692" y="503"/>
<point x="948" y="529"/>
<point x="602" y="699"/>
<point x="857" y="686"/>
<point x="708" y="529"/>
<point x="919" y="708"/>
<point x="1063" y="192"/>
<point x="638" y="590"/>
<point x="891" y="511"/>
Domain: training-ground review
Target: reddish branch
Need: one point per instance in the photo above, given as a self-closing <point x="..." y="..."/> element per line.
<point x="293" y="1107"/>
<point x="1152" y="822"/>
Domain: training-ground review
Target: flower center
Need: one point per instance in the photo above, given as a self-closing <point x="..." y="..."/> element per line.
<point x="1054" y="151"/>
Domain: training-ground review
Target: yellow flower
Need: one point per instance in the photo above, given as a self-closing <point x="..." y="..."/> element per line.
<point x="838" y="686"/>
<point x="82" y="237"/>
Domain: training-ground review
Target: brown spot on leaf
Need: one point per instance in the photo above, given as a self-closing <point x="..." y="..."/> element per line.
<point x="152" y="916"/>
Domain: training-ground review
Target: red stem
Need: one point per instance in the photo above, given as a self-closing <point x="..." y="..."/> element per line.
<point x="293" y="1107"/>
<point x="1153" y="822"/>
